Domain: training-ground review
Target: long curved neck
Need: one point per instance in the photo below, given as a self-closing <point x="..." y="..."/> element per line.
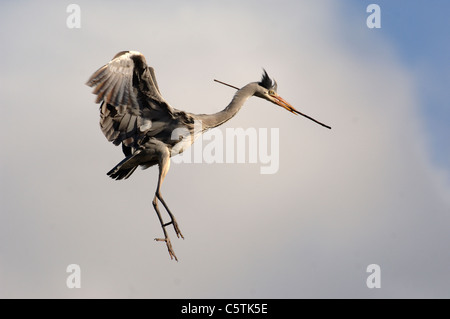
<point x="216" y="119"/>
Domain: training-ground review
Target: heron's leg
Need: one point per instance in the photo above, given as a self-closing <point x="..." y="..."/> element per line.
<point x="166" y="237"/>
<point x="172" y="218"/>
<point x="164" y="166"/>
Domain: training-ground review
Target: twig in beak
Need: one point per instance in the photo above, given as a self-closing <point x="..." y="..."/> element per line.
<point x="293" y="110"/>
<point x="231" y="86"/>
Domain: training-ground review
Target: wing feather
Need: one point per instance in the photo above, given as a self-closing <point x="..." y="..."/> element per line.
<point x="124" y="122"/>
<point x="131" y="99"/>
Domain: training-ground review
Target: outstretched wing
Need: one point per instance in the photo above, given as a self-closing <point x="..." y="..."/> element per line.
<point x="132" y="105"/>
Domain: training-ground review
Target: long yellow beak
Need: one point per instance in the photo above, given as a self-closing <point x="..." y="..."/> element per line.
<point x="283" y="103"/>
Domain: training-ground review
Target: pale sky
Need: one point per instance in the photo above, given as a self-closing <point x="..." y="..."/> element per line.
<point x="373" y="190"/>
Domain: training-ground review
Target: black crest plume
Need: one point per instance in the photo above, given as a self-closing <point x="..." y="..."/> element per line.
<point x="267" y="82"/>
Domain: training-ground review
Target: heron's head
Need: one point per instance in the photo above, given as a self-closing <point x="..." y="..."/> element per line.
<point x="267" y="90"/>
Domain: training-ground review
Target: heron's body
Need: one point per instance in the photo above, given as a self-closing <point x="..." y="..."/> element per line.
<point x="134" y="113"/>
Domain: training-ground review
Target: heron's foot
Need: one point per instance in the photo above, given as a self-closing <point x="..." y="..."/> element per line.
<point x="175" y="227"/>
<point x="169" y="247"/>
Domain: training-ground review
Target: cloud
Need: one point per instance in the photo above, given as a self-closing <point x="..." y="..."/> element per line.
<point x="364" y="192"/>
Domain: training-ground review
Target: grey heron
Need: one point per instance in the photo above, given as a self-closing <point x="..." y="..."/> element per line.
<point x="134" y="113"/>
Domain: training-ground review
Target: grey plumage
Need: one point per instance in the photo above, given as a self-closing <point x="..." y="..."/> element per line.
<point x="134" y="113"/>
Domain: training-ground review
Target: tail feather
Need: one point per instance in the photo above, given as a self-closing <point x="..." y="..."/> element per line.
<point x="125" y="168"/>
<point x="121" y="173"/>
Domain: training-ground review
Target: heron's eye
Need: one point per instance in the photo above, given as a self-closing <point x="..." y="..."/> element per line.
<point x="271" y="92"/>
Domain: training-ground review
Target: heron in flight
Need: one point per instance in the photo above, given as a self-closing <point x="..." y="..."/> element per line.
<point x="134" y="113"/>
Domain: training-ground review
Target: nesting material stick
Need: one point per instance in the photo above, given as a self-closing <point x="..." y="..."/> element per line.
<point x="231" y="86"/>
<point x="294" y="111"/>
